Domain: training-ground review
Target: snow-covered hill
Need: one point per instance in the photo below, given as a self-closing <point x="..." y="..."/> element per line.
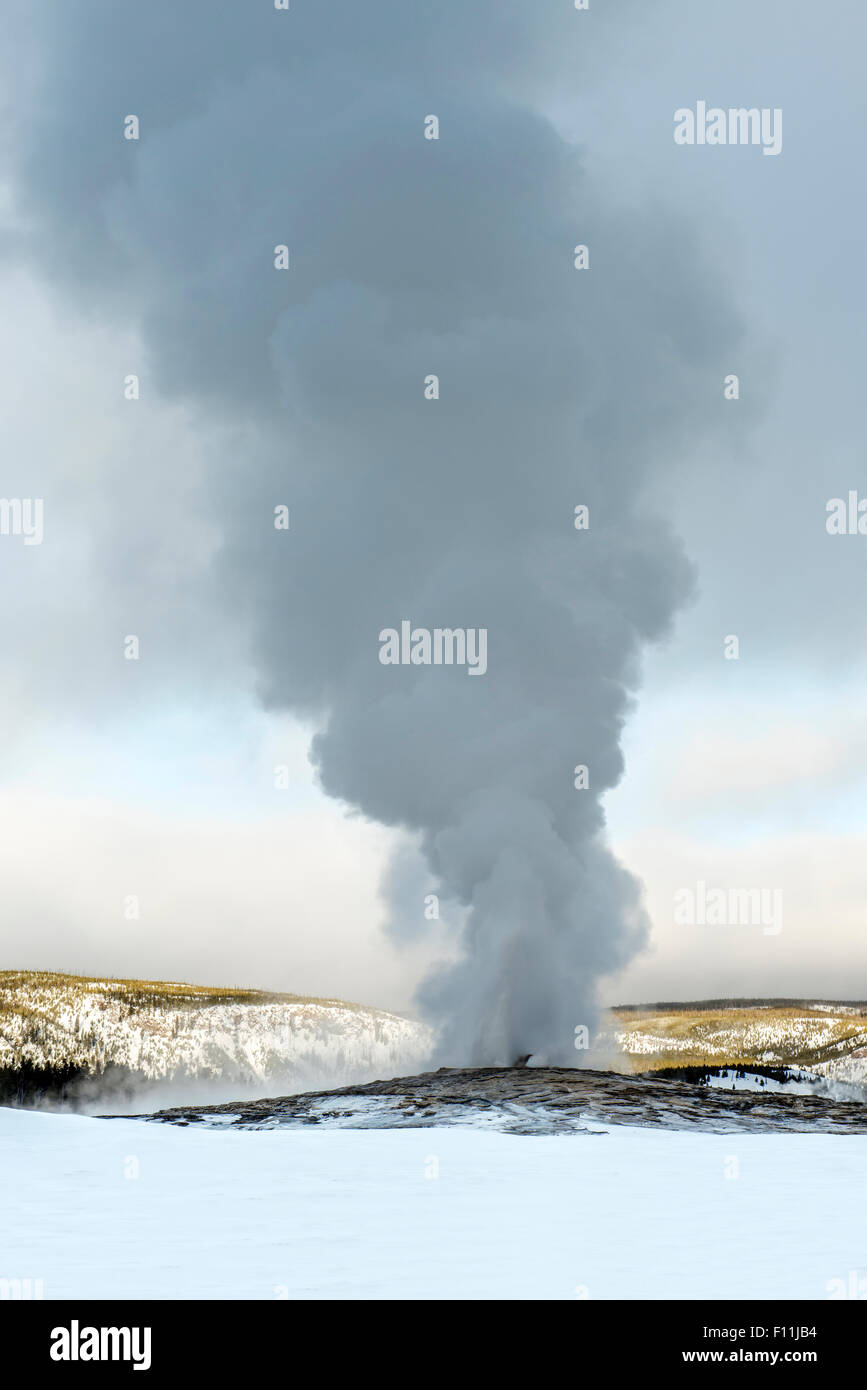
<point x="154" y="1032"/>
<point x="824" y="1038"/>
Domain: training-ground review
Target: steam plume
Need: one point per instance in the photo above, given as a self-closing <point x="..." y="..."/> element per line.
<point x="558" y="387"/>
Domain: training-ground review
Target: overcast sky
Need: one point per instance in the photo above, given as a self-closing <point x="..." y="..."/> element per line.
<point x="155" y="779"/>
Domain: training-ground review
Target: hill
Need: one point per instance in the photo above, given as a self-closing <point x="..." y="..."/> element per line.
<point x="75" y="1037"/>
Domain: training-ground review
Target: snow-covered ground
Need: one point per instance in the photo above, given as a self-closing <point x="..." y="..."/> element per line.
<point x="803" y="1082"/>
<point x="100" y="1209"/>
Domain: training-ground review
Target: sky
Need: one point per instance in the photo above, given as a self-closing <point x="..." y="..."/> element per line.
<point x="152" y="782"/>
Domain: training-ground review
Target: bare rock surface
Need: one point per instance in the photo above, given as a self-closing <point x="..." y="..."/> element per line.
<point x="537" y="1100"/>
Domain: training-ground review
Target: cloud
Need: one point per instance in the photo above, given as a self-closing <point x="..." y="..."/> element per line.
<point x="282" y="901"/>
<point x="819" y="951"/>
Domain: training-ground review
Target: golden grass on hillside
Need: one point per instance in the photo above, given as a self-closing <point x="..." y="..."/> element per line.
<point x="764" y="1035"/>
<point x="20" y="988"/>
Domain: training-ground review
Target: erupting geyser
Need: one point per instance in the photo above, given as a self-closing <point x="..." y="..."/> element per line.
<point x="564" y="382"/>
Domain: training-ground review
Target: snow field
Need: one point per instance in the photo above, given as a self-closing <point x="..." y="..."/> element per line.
<point x="100" y="1209"/>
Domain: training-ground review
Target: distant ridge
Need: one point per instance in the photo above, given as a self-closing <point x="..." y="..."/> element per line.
<point x="58" y="1032"/>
